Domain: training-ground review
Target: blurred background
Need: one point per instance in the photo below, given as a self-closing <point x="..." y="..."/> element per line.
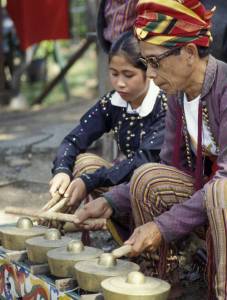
<point x="51" y="71"/>
<point x="50" y="56"/>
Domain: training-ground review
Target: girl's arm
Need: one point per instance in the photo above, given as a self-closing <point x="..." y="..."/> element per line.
<point x="92" y="125"/>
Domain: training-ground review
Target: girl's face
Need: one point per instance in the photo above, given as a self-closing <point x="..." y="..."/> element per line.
<point x="130" y="82"/>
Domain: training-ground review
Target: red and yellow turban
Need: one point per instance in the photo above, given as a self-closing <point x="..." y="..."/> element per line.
<point x="173" y="23"/>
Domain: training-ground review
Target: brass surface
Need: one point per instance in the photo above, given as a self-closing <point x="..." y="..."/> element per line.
<point x="14" y="237"/>
<point x="62" y="260"/>
<point x="135" y="286"/>
<point x="89" y="274"/>
<point x="39" y="246"/>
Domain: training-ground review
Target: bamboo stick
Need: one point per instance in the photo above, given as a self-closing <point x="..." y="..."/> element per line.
<point x="52" y="201"/>
<point x="54" y="216"/>
<point x="126" y="249"/>
<point x="122" y="251"/>
<point x="59" y="205"/>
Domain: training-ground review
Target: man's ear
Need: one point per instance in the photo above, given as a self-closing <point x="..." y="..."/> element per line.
<point x="191" y="53"/>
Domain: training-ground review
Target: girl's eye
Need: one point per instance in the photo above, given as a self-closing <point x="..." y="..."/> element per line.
<point x="129" y="75"/>
<point x="114" y="74"/>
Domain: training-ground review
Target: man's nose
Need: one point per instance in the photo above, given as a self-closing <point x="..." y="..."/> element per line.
<point x="151" y="72"/>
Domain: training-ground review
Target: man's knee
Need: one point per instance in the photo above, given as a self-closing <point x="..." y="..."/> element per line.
<point x="216" y="194"/>
<point x="142" y="184"/>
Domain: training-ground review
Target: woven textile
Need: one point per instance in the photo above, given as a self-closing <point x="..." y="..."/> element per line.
<point x="155" y="188"/>
<point x="173" y="23"/>
<point x="216" y="204"/>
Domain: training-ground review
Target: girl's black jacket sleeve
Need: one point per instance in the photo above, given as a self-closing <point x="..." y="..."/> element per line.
<point x="92" y="125"/>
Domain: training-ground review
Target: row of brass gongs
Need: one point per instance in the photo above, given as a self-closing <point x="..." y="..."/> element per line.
<point x="93" y="269"/>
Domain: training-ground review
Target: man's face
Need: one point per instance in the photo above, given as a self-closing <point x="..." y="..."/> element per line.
<point x="172" y="71"/>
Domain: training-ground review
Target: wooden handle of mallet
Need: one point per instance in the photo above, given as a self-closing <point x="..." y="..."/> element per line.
<point x="59" y="205"/>
<point x="52" y="201"/>
<point x="53" y="216"/>
<point x="126" y="249"/>
<point x="122" y="251"/>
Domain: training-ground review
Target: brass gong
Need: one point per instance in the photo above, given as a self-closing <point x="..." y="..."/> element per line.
<point x="62" y="260"/>
<point x="39" y="246"/>
<point x="14" y="237"/>
<point x="135" y="286"/>
<point x="89" y="274"/>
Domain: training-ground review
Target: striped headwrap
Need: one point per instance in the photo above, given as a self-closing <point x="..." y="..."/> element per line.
<point x="173" y="23"/>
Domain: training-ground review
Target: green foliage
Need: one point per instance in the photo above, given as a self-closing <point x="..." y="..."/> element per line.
<point x="81" y="78"/>
<point x="78" y="18"/>
<point x="44" y="49"/>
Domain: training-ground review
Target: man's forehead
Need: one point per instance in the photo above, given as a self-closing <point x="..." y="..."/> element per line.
<point x="148" y="49"/>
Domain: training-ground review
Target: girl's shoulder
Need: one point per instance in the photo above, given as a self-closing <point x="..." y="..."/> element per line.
<point x="107" y="102"/>
<point x="106" y="99"/>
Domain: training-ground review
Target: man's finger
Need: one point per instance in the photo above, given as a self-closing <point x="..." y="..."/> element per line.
<point x="73" y="197"/>
<point x="131" y="239"/>
<point x="83" y="214"/>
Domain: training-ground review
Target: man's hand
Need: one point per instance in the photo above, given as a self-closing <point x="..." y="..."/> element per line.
<point x="98" y="208"/>
<point x="145" y="237"/>
<point x="76" y="192"/>
<point x="59" y="183"/>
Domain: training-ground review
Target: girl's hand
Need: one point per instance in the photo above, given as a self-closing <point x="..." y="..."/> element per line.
<point x="145" y="237"/>
<point x="59" y="183"/>
<point x="76" y="192"/>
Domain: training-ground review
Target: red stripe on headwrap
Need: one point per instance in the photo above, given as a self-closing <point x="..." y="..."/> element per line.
<point x="188" y="22"/>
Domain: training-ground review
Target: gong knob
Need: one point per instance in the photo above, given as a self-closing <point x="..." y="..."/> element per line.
<point x="75" y="246"/>
<point x="52" y="234"/>
<point x="135" y="278"/>
<point x="107" y="260"/>
<point x="24" y="223"/>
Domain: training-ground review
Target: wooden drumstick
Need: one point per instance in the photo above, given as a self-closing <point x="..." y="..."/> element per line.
<point x="59" y="205"/>
<point x="52" y="201"/>
<point x="122" y="251"/>
<point x="54" y="216"/>
<point x="126" y="249"/>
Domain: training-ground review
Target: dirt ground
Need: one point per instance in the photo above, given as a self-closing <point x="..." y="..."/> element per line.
<point x="28" y="142"/>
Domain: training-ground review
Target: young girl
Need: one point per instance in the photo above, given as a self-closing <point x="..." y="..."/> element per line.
<point x="134" y="111"/>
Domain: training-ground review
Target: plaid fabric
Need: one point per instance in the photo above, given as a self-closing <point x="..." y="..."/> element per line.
<point x="173" y="23"/>
<point x="216" y="205"/>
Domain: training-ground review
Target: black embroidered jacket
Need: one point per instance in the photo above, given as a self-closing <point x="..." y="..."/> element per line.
<point x="138" y="138"/>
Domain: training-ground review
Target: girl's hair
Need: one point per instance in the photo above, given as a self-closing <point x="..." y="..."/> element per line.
<point x="128" y="46"/>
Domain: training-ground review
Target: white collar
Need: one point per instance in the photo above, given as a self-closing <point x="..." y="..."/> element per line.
<point x="147" y="105"/>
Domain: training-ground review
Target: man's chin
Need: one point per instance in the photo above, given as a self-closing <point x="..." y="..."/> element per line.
<point x="168" y="91"/>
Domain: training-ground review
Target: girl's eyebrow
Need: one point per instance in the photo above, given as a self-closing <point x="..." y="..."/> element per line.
<point x="125" y="70"/>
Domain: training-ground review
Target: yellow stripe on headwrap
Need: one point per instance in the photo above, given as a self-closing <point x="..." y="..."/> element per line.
<point x="160" y="40"/>
<point x="142" y="34"/>
<point x="173" y="4"/>
<point x="163" y="25"/>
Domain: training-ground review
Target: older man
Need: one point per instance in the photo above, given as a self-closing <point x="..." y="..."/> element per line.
<point x="189" y="188"/>
<point x="191" y="184"/>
